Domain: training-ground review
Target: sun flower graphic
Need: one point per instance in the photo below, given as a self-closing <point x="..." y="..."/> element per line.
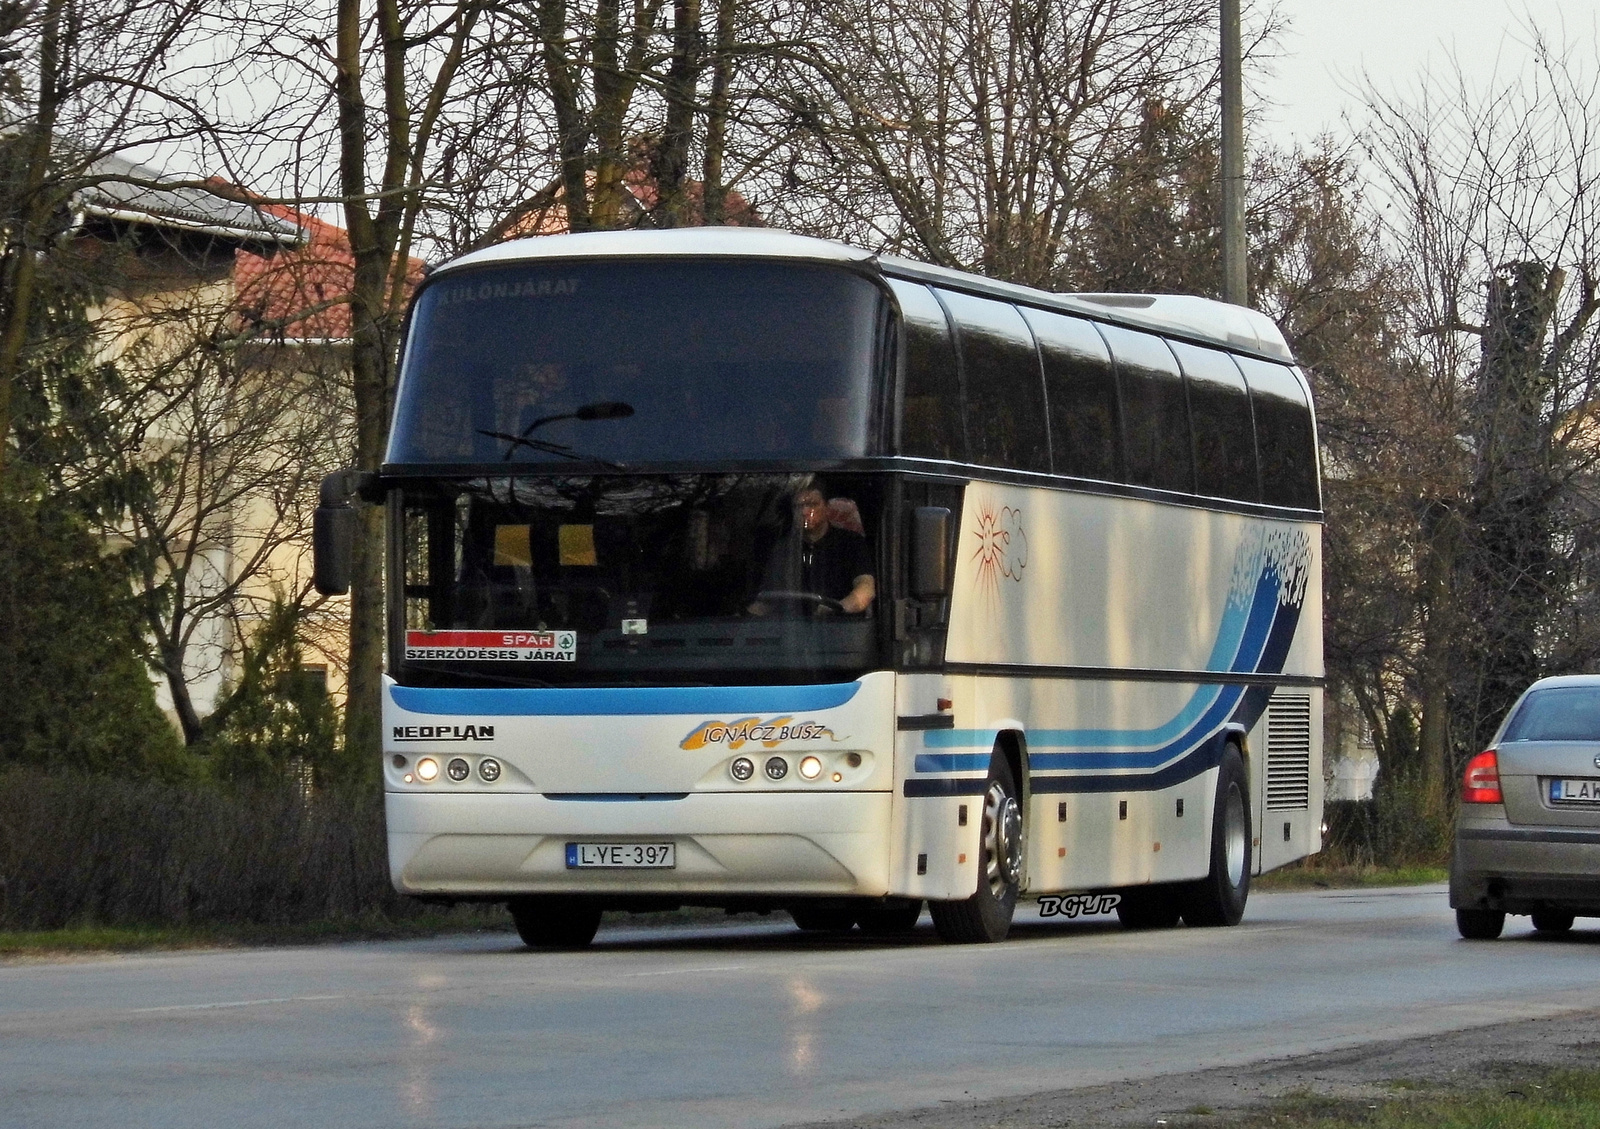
<point x="1002" y="551"/>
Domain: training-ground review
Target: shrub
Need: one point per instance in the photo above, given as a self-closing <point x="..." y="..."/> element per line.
<point x="78" y="848"/>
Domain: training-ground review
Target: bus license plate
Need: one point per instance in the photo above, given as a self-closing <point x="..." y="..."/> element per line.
<point x="622" y="856"/>
<point x="1569" y="791"/>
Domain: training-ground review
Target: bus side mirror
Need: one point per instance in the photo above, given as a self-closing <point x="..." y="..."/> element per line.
<point x="333" y="530"/>
<point x="930" y="552"/>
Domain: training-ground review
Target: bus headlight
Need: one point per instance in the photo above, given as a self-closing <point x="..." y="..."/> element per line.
<point x="742" y="768"/>
<point x="777" y="768"/>
<point x="489" y="769"/>
<point x="810" y="767"/>
<point x="427" y="770"/>
<point x="457" y="770"/>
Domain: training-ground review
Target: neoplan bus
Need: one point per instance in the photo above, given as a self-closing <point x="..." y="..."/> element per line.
<point x="733" y="568"/>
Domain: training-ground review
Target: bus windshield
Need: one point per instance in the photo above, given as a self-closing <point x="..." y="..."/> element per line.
<point x="638" y="361"/>
<point x="615" y="579"/>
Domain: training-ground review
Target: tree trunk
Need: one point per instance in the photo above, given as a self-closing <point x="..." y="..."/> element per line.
<point x="1514" y="491"/>
<point x="1441" y="532"/>
<point x="671" y="164"/>
<point x="22" y="267"/>
<point x="369" y="365"/>
<point x="714" y="197"/>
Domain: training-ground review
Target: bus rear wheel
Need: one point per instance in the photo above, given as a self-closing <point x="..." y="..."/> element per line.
<point x="555" y="922"/>
<point x="1219" y="897"/>
<point x="986" y="916"/>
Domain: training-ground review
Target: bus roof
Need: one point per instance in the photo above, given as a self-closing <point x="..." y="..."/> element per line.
<point x="1179" y="315"/>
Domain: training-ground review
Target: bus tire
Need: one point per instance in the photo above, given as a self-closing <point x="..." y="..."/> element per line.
<point x="1480" y="924"/>
<point x="555" y="922"/>
<point x="985" y="917"/>
<point x="1553" y="920"/>
<point x="890" y="917"/>
<point x="1219" y="897"/>
<point x="823" y="918"/>
<point x="1149" y="907"/>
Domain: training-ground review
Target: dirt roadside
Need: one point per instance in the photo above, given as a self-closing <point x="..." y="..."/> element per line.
<point x="1459" y="1059"/>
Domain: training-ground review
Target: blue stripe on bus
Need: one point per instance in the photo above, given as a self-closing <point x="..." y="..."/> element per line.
<point x="1203" y="758"/>
<point x="623" y="700"/>
<point x="1205" y="727"/>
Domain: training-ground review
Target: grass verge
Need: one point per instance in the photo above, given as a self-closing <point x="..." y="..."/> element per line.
<point x="1313" y="876"/>
<point x="139" y="938"/>
<point x="1556" y="1100"/>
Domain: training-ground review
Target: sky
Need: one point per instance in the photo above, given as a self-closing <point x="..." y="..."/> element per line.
<point x="1331" y="44"/>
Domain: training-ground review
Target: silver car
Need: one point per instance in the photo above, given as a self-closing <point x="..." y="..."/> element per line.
<point x="1528" y="833"/>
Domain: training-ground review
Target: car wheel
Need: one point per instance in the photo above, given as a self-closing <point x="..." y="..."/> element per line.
<point x="555" y="922"/>
<point x="1218" y="898"/>
<point x="1552" y="920"/>
<point x="823" y="918"/>
<point x="986" y="916"/>
<point x="1480" y="924"/>
<point x="1149" y="907"/>
<point x="890" y="917"/>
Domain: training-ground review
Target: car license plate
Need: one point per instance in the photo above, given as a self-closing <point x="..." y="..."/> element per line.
<point x="1564" y="790"/>
<point x="622" y="856"/>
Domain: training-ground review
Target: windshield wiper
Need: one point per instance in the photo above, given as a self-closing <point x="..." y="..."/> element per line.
<point x="600" y="409"/>
<point x="559" y="449"/>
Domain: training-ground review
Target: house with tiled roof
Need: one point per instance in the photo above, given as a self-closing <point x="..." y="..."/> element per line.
<point x="229" y="310"/>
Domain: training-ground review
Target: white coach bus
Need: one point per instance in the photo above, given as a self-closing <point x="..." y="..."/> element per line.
<point x="733" y="568"/>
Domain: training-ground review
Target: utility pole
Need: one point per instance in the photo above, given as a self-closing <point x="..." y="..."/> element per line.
<point x="1235" y="287"/>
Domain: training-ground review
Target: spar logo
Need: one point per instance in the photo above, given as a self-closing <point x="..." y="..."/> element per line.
<point x="1077" y="905"/>
<point x="755" y="731"/>
<point x="493" y="646"/>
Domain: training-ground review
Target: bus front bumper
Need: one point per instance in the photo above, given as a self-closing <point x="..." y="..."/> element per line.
<point x="830" y="844"/>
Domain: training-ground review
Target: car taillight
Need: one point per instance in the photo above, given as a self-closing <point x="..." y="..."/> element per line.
<point x="1480" y="784"/>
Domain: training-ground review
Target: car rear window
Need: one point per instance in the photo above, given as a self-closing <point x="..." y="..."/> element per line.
<point x="1565" y="713"/>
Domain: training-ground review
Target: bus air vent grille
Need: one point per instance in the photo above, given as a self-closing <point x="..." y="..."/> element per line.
<point x="1289" y="753"/>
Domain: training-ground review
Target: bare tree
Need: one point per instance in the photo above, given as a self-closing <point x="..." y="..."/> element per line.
<point x="217" y="442"/>
<point x="968" y="133"/>
<point x="1494" y="217"/>
<point x="84" y="82"/>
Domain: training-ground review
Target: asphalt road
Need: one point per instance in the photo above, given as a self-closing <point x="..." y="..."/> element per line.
<point x="741" y="1024"/>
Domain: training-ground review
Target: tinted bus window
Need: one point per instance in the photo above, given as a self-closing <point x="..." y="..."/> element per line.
<point x="1155" y="411"/>
<point x="1082" y="389"/>
<point x="638" y="361"/>
<point x="931" y="407"/>
<point x="1000" y="376"/>
<point x="1224" y="437"/>
<point x="1285" y="435"/>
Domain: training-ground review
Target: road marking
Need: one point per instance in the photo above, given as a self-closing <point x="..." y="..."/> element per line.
<point x="680" y="971"/>
<point x="234" y="1003"/>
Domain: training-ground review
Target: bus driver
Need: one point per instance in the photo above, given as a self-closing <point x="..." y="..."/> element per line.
<point x="834" y="562"/>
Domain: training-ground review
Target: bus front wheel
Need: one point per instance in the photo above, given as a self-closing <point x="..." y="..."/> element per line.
<point x="1218" y="898"/>
<point x="986" y="916"/>
<point x="555" y="922"/>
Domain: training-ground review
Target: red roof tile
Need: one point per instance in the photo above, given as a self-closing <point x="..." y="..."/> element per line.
<point x="298" y="294"/>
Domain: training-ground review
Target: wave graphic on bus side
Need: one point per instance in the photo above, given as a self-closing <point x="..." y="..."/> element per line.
<point x="1266" y="594"/>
